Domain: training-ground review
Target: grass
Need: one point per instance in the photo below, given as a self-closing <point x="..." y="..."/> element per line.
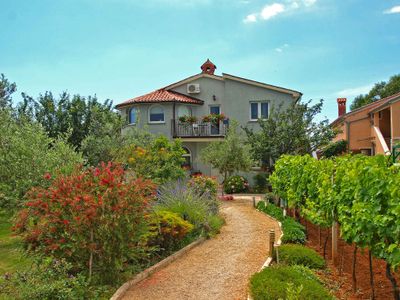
<point x="12" y="256"/>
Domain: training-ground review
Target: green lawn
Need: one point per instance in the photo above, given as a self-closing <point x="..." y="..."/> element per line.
<point x="12" y="256"/>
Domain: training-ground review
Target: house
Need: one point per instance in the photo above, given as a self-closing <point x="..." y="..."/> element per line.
<point x="197" y="109"/>
<point x="371" y="129"/>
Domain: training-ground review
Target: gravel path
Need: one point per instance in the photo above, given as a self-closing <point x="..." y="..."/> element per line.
<point x="219" y="268"/>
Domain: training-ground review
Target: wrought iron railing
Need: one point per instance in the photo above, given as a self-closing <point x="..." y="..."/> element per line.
<point x="198" y="129"/>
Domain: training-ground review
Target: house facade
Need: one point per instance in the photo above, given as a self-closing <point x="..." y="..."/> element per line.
<point x="371" y="129"/>
<point x="198" y="109"/>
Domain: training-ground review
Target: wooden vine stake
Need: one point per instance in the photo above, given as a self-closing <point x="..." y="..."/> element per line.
<point x="354" y="269"/>
<point x="371" y="275"/>
<point x="335" y="243"/>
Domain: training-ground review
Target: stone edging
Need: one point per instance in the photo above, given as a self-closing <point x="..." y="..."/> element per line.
<point x="276" y="245"/>
<point x="149" y="271"/>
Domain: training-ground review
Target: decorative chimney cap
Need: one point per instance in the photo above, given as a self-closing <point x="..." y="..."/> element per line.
<point x="208" y="67"/>
<point x="342" y="100"/>
<point x="341" y="106"/>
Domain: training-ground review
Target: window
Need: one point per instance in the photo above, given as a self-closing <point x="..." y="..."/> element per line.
<point x="258" y="110"/>
<point x="187" y="164"/>
<point x="132" y="115"/>
<point x="156" y="114"/>
<point x="214" y="109"/>
<point x="184" y="110"/>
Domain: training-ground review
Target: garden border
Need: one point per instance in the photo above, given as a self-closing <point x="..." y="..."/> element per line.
<point x="151" y="270"/>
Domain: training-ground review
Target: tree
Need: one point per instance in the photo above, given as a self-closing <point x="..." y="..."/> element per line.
<point x="229" y="155"/>
<point x="380" y="90"/>
<point x="289" y="131"/>
<point x="26" y="154"/>
<point x="76" y="113"/>
<point x="6" y="90"/>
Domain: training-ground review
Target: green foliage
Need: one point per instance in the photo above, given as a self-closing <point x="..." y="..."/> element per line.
<point x="380" y="90"/>
<point x="6" y="90"/>
<point x="359" y="192"/>
<point x="51" y="279"/>
<point x="230" y="155"/>
<point x="26" y="154"/>
<point x="291" y="130"/>
<point x="260" y="183"/>
<point x="159" y="159"/>
<point x="334" y="149"/>
<point x="214" y="223"/>
<point x="271" y="210"/>
<point x="167" y="230"/>
<point x="204" y="185"/>
<point x="293" y="231"/>
<point x="236" y="184"/>
<point x="272" y="283"/>
<point x="300" y="255"/>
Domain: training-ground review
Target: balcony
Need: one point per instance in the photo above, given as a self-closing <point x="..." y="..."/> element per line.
<point x="198" y="129"/>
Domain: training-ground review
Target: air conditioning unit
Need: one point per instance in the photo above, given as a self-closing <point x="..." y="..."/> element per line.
<point x="193" y="88"/>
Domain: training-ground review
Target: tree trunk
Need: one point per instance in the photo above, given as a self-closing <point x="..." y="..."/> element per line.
<point x="389" y="275"/>
<point x="354" y="270"/>
<point x="371" y="275"/>
<point x="325" y="243"/>
<point x="91" y="255"/>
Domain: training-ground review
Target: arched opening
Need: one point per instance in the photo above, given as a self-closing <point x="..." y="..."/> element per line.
<point x="156" y="114"/>
<point x="133" y="115"/>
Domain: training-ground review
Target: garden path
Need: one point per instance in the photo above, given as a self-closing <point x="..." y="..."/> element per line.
<point x="220" y="267"/>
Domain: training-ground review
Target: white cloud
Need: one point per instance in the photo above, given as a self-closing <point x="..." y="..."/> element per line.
<point x="355" y="91"/>
<point x="270" y="11"/>
<point x="250" y="18"/>
<point x="393" y="10"/>
<point x="280" y="49"/>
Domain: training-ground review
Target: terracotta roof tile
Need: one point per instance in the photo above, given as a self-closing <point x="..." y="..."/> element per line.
<point x="162" y="95"/>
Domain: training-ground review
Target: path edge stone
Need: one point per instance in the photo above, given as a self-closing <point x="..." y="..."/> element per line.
<point x="151" y="270"/>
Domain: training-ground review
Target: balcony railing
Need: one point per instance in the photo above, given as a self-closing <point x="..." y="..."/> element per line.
<point x="198" y="129"/>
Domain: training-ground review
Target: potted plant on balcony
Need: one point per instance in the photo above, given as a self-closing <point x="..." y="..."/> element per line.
<point x="187" y="119"/>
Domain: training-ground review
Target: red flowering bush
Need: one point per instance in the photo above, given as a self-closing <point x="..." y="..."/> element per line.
<point x="95" y="219"/>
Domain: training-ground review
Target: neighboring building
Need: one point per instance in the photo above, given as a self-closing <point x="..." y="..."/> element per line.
<point x="371" y="129"/>
<point x="162" y="111"/>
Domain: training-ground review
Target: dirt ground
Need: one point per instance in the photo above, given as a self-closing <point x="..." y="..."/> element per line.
<point x="343" y="283"/>
<point x="219" y="268"/>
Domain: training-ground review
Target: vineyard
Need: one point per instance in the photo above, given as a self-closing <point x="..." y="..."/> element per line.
<point x="358" y="196"/>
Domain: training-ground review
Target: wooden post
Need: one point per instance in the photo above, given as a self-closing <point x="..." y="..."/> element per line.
<point x="334" y="243"/>
<point x="254" y="201"/>
<point x="271" y="242"/>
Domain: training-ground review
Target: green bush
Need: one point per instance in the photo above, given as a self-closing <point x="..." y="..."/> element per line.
<point x="272" y="283"/>
<point x="293" y="231"/>
<point x="50" y="279"/>
<point x="270" y="198"/>
<point x="236" y="184"/>
<point x="204" y="185"/>
<point x="167" y="230"/>
<point x="271" y="210"/>
<point x="300" y="255"/>
<point x="215" y="222"/>
<point x="260" y="183"/>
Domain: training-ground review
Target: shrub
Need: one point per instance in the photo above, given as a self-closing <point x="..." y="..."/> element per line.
<point x="236" y="184"/>
<point x="51" y="279"/>
<point x="270" y="198"/>
<point x="94" y="219"/>
<point x="293" y="231"/>
<point x="260" y="183"/>
<point x="204" y="185"/>
<point x="300" y="255"/>
<point x="177" y="197"/>
<point x="167" y="230"/>
<point x="215" y="222"/>
<point x="272" y="283"/>
<point x="271" y="210"/>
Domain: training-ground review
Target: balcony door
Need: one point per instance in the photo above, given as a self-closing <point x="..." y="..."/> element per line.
<point x="215" y="109"/>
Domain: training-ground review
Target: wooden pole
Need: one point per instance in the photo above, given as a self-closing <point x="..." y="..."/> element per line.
<point x="334" y="243"/>
<point x="254" y="201"/>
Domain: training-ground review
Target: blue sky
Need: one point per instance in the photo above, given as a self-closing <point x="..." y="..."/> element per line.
<point x="119" y="49"/>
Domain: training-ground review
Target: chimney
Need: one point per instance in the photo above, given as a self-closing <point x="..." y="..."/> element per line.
<point x="208" y="67"/>
<point x="341" y="106"/>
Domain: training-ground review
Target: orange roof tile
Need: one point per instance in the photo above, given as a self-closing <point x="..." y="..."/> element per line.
<point x="162" y="95"/>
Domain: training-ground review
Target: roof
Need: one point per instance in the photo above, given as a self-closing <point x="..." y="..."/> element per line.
<point x="370" y="108"/>
<point x="161" y="95"/>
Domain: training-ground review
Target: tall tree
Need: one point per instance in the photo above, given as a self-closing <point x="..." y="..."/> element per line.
<point x="291" y="130"/>
<point x="380" y="90"/>
<point x="7" y="88"/>
<point x="229" y="155"/>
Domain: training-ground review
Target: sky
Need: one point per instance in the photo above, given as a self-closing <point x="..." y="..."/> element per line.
<point x="119" y="49"/>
